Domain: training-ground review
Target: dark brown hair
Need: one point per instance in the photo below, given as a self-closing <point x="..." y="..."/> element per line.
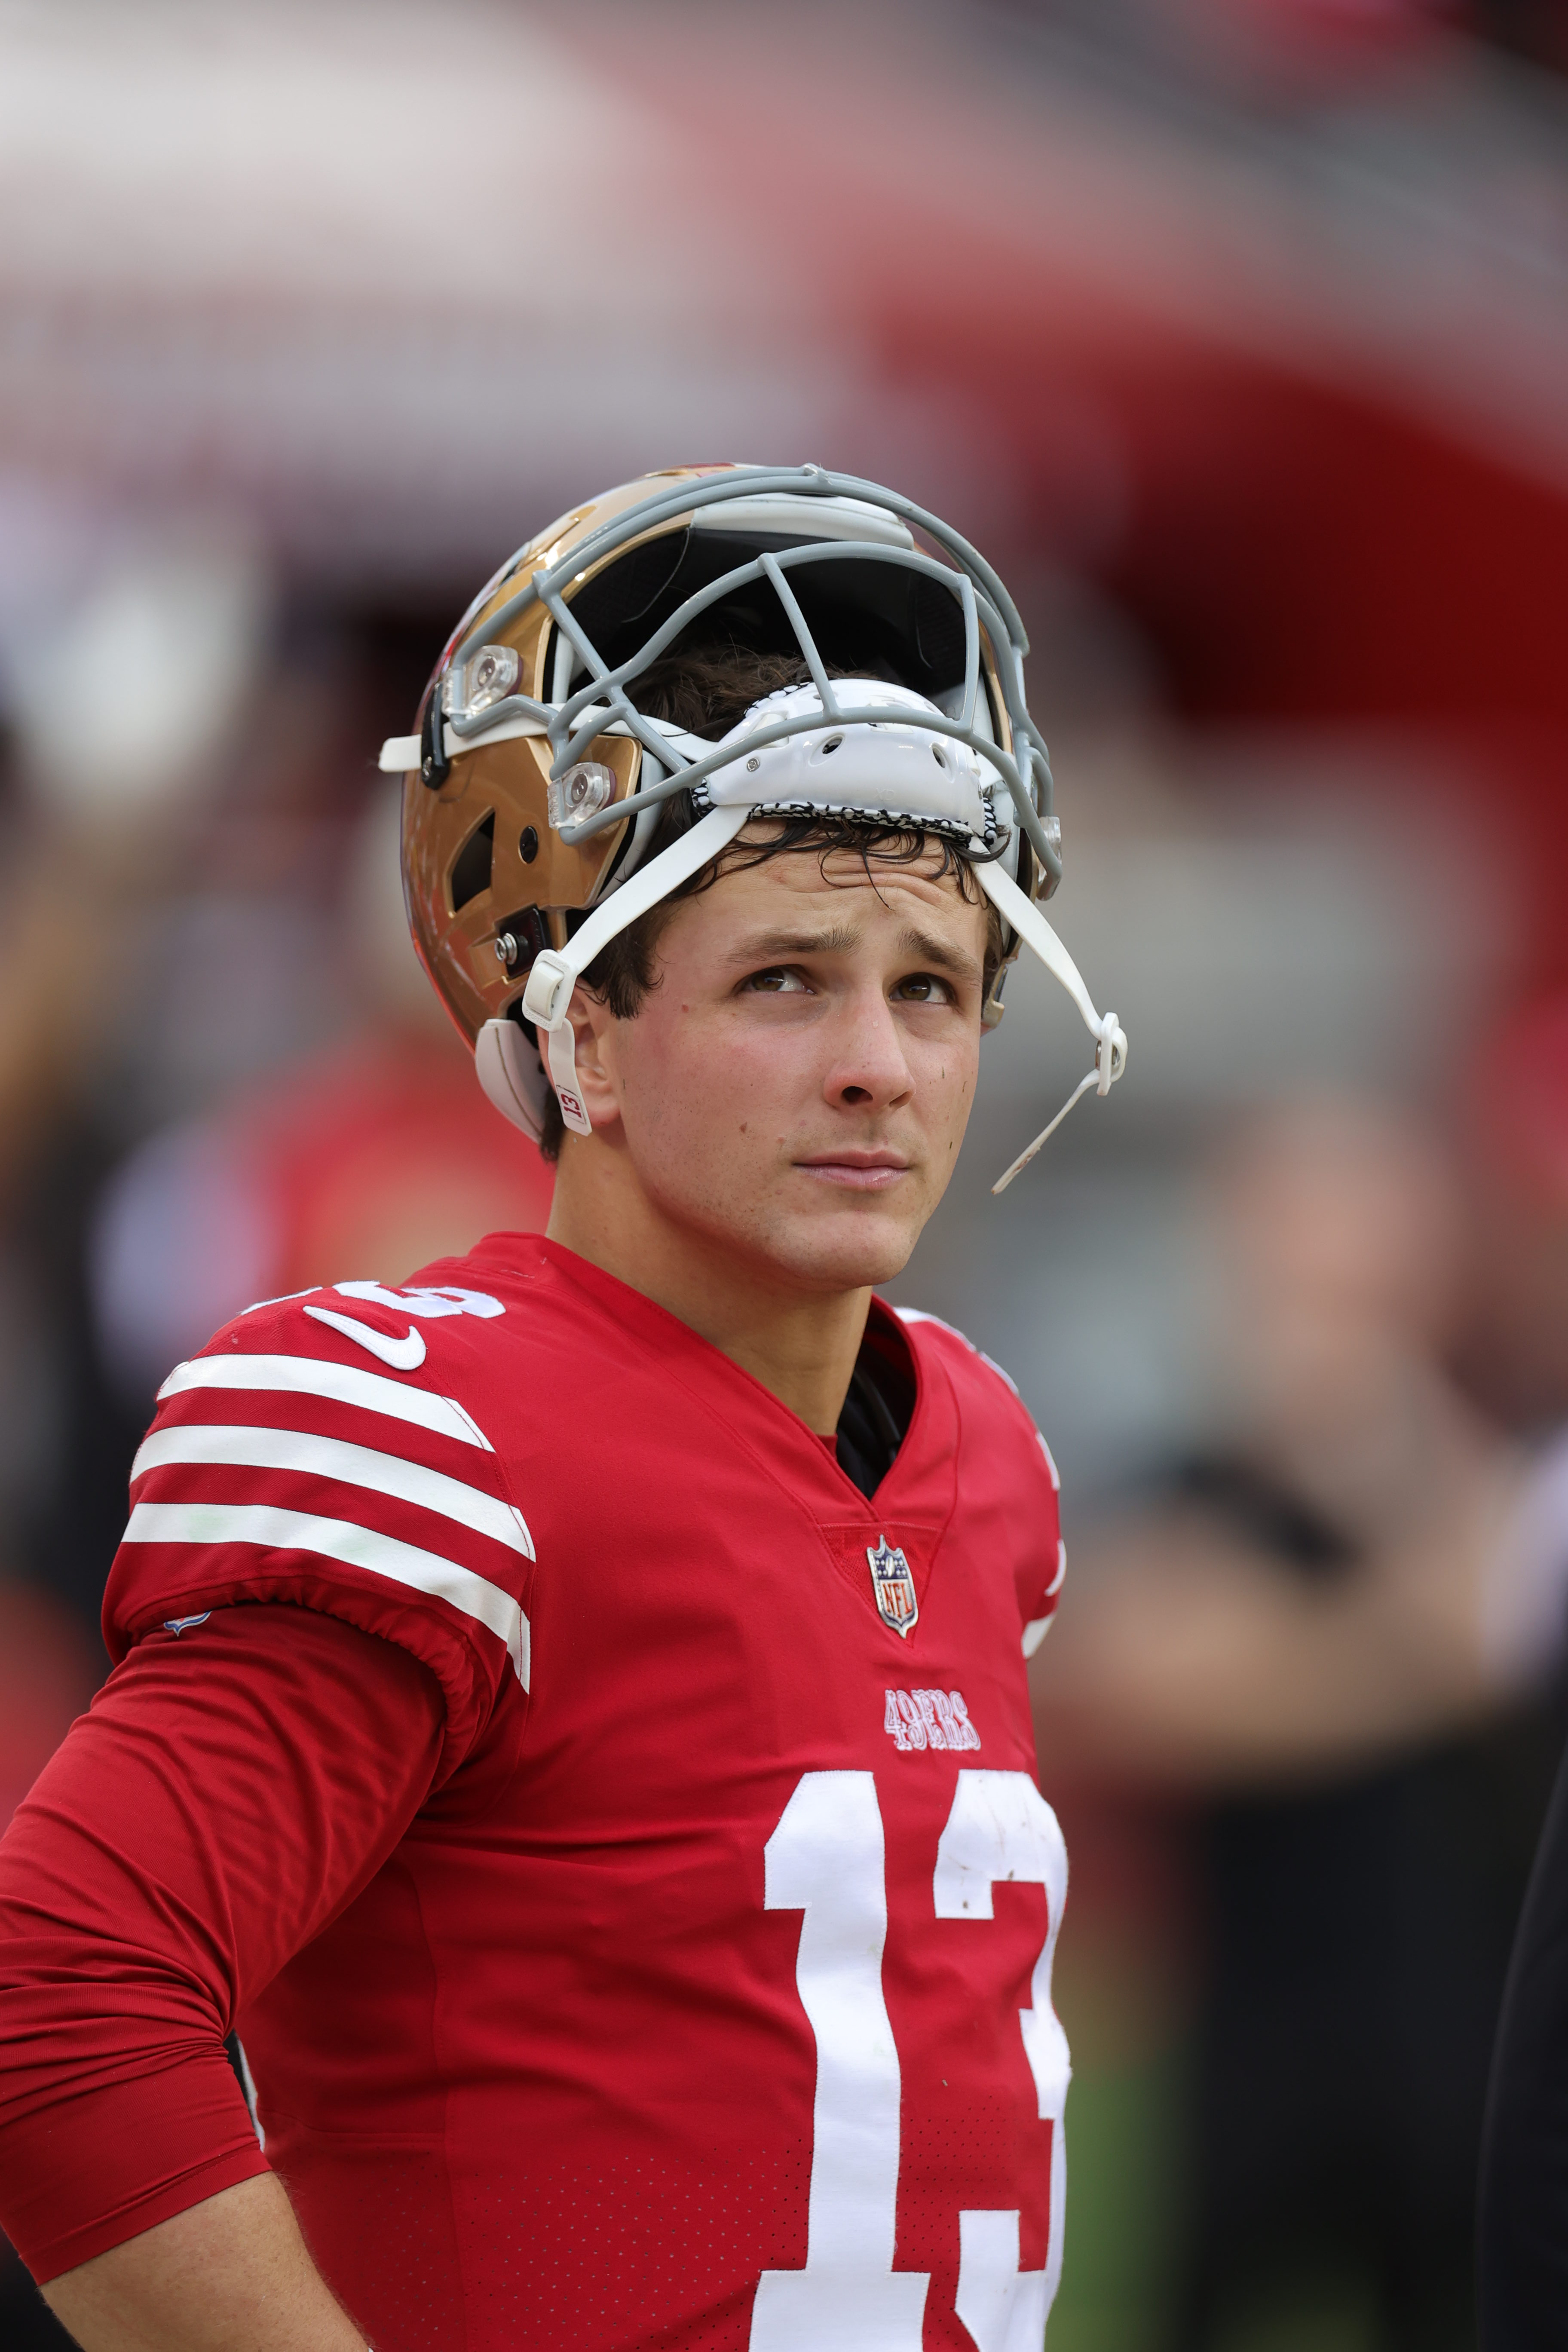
<point x="706" y="692"/>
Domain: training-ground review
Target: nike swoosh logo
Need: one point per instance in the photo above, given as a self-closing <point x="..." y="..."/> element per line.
<point x="404" y="1355"/>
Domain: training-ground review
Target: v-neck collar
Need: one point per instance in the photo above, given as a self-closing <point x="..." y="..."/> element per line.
<point x="729" y="1388"/>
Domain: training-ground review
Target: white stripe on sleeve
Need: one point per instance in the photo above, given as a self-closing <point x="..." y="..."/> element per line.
<point x="237" y="1445"/>
<point x="342" y="1383"/>
<point x="277" y="1530"/>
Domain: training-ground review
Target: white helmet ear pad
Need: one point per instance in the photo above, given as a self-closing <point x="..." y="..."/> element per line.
<point x="512" y="1075"/>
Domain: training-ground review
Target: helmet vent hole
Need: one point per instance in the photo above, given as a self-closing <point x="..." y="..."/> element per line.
<point x="471" y="866"/>
<point x="832" y="744"/>
<point x="528" y="845"/>
<point x="939" y="755"/>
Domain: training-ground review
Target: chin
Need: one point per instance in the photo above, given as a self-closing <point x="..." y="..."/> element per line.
<point x="845" y="1251"/>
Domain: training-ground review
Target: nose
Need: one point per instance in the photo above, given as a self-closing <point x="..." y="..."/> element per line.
<point x="869" y="1069"/>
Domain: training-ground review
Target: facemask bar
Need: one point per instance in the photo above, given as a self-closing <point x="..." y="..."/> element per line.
<point x="603" y="708"/>
<point x="604" y="705"/>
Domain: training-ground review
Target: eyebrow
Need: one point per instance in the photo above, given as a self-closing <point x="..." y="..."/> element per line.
<point x="777" y="947"/>
<point x="842" y="938"/>
<point x="915" y="941"/>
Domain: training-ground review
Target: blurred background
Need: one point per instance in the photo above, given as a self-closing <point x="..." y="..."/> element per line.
<point x="1235" y="331"/>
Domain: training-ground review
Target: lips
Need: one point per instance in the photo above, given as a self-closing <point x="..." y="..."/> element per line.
<point x="858" y="1172"/>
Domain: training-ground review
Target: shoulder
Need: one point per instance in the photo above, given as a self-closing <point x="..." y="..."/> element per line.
<point x="1016" y="1468"/>
<point x="978" y="1378"/>
<point x="444" y="1329"/>
<point x="329" y="1449"/>
<point x="345" y="1348"/>
<point x="971" y="1364"/>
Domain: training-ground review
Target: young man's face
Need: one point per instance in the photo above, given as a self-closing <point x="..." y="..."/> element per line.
<point x="795" y="1089"/>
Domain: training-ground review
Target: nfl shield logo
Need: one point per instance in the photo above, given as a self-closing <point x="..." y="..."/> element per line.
<point x="893" y="1586"/>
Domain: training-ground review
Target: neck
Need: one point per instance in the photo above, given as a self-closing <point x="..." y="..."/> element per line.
<point x="800" y="1345"/>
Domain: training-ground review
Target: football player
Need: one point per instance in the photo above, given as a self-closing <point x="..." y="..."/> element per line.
<point x="569" y="1709"/>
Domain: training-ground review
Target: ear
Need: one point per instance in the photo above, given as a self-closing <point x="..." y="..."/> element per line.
<point x="593" y="1030"/>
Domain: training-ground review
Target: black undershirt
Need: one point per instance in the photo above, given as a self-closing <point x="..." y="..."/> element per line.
<point x="875" y="1412"/>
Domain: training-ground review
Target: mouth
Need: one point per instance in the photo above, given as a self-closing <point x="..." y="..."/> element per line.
<point x="856" y="1171"/>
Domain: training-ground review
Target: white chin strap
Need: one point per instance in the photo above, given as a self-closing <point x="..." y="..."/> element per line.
<point x="547" y="999"/>
<point x="1110" y="1037"/>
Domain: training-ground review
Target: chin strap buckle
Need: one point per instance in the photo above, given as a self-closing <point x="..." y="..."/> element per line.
<point x="550" y="981"/>
<point x="546" y="1001"/>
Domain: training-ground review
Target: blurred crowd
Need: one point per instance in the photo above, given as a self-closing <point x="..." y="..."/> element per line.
<point x="1326" y="1648"/>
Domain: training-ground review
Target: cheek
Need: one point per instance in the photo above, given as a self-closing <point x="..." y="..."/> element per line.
<point x="705" y="1073"/>
<point x="945" y="1069"/>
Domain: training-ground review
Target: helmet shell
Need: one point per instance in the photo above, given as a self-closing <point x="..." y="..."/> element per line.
<point x="487" y="879"/>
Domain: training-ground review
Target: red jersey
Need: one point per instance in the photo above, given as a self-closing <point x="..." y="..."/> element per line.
<point x="705" y="2002"/>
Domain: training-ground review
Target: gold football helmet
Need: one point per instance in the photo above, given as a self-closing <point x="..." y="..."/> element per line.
<point x="534" y="784"/>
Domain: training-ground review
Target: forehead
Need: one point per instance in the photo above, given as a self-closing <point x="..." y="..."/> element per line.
<point x="870" y="893"/>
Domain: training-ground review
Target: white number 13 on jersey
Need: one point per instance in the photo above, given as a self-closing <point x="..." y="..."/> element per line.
<point x="825" y="1858"/>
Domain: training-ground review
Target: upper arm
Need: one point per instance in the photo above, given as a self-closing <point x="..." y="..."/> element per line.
<point x="232" y="1788"/>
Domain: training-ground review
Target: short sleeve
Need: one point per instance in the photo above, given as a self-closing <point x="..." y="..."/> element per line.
<point x="281" y="1469"/>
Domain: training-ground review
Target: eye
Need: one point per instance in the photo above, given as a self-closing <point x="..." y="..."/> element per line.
<point x="923" y="988"/>
<point x="778" y="980"/>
